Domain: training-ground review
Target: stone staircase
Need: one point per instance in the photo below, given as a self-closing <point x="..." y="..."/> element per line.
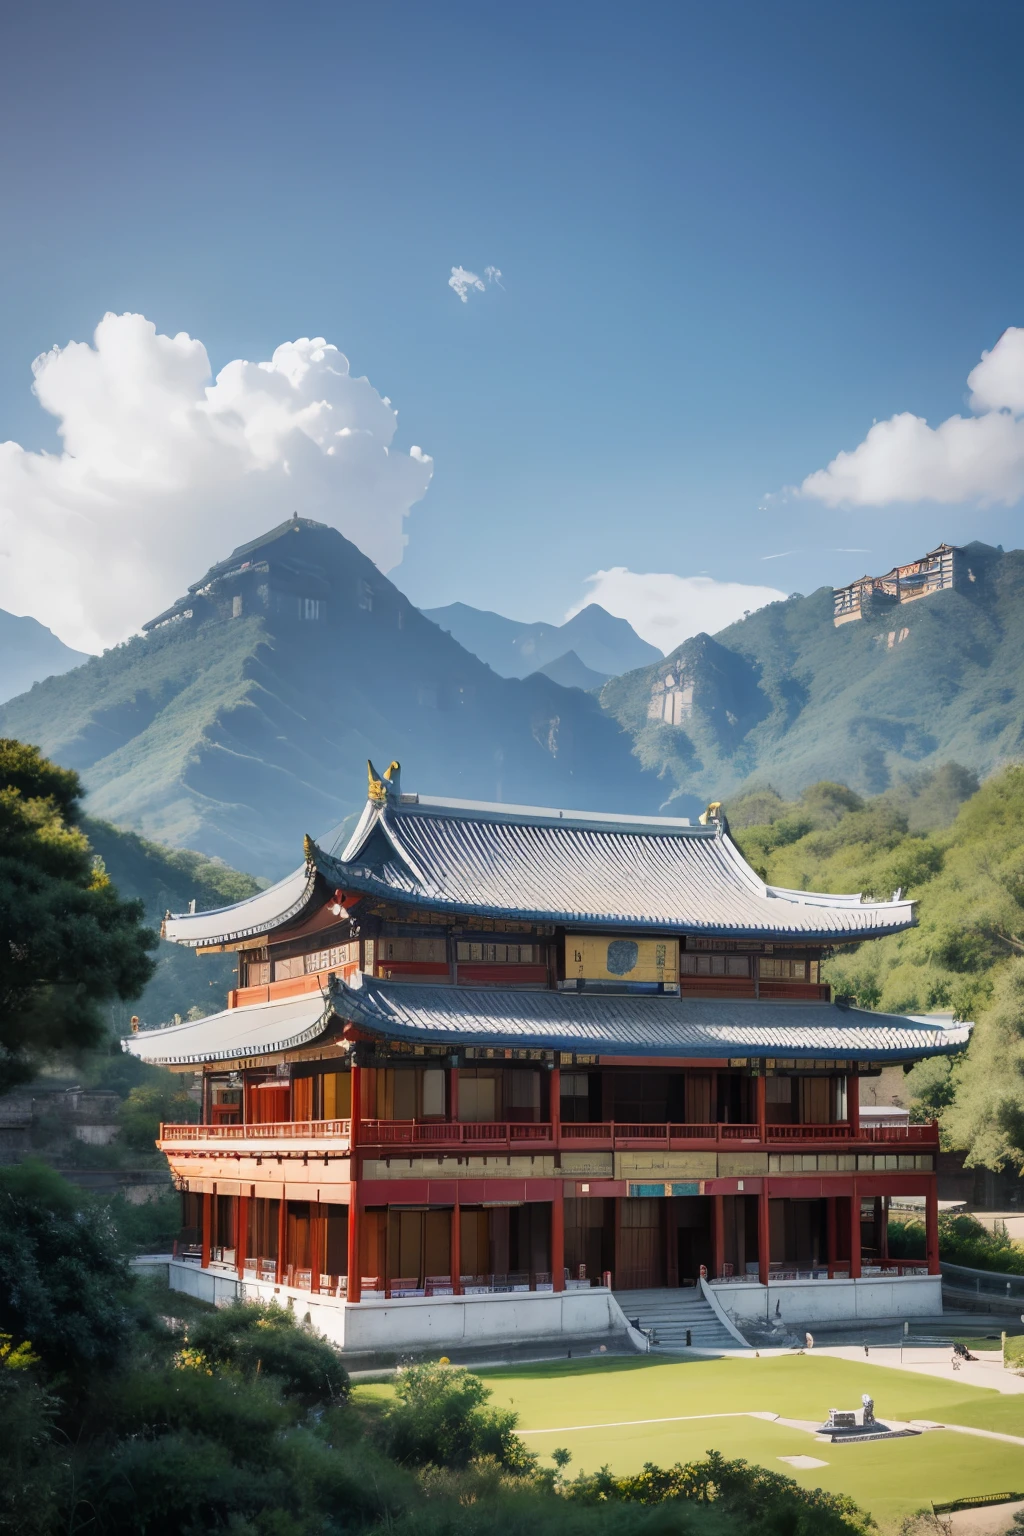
<point x="671" y="1312"/>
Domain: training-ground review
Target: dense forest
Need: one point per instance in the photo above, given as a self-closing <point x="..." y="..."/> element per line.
<point x="957" y="849"/>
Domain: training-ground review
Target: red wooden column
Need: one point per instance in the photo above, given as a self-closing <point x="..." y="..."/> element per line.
<point x="241" y="1232"/>
<point x="555" y="1104"/>
<point x="718" y="1236"/>
<point x="883" y="1239"/>
<point x="355" y="1289"/>
<point x="315" y="1246"/>
<point x="854" y="1231"/>
<point x="762" y="1105"/>
<point x="853" y="1103"/>
<point x="931" y="1225"/>
<point x="206" y="1237"/>
<point x="878" y="1217"/>
<point x="282" y="1238"/>
<point x="456" y="1248"/>
<point x="764" y="1235"/>
<point x="355" y="1110"/>
<point x="453" y="1094"/>
<point x="619" y="1265"/>
<point x="558" y="1239"/>
<point x="830" y="1235"/>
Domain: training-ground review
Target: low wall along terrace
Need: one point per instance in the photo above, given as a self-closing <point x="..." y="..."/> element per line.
<point x="831" y="1301"/>
<point x="440" y="1321"/>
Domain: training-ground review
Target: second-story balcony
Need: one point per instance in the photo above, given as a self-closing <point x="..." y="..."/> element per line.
<point x="623" y="1135"/>
<point x="295" y="1135"/>
<point x="503" y="1135"/>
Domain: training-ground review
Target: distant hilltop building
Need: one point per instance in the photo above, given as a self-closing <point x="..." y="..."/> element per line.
<point x="940" y="568"/>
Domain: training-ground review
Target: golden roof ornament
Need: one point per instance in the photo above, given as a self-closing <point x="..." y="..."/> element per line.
<point x="381" y="789"/>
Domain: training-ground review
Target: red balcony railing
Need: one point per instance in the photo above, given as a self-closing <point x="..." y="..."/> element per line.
<point x="603" y="1135"/>
<point x="487" y="1133"/>
<point x="927" y="1132"/>
<point x="617" y="1133"/>
<point x="280" y="1130"/>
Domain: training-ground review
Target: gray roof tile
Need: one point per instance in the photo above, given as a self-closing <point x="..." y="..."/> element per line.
<point x="550" y="866"/>
<point x="635" y="1025"/>
<point x="257" y="1030"/>
<point x="526" y="863"/>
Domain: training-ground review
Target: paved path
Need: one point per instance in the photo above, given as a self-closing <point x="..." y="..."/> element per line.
<point x="806" y="1426"/>
<point x="990" y="1520"/>
<point x="936" y="1362"/>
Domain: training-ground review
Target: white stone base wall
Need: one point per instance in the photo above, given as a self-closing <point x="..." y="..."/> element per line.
<point x="876" y="1297"/>
<point x="439" y="1322"/>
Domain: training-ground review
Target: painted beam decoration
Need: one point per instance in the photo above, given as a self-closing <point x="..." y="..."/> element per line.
<point x="604" y="959"/>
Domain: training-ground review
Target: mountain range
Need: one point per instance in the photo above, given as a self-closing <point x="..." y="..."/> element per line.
<point x="29" y="652"/>
<point x="584" y="652"/>
<point x="243" y="716"/>
<point x="785" y="697"/>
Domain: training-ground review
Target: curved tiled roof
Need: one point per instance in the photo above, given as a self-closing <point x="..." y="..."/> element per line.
<point x="603" y="1024"/>
<point x="527" y="863"/>
<point x="631" y="1025"/>
<point x="571" y="867"/>
<point x="262" y="913"/>
<point x="257" y="1030"/>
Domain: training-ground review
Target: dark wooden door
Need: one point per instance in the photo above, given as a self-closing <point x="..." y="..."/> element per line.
<point x="640" y="1261"/>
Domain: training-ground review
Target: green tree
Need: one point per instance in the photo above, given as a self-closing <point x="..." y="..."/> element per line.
<point x="64" y="1279"/>
<point x="987" y="1113"/>
<point x="69" y="943"/>
<point x="440" y="1417"/>
<point x="33" y="1466"/>
<point x="165" y="1099"/>
<point x="252" y="1338"/>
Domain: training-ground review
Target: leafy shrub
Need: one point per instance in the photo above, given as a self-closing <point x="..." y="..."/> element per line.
<point x="754" y="1498"/>
<point x="33" y="1466"/>
<point x="929" y="1086"/>
<point x="254" y="1338"/>
<point x="907" y="1239"/>
<point x="439" y="1417"/>
<point x="242" y="1416"/>
<point x="149" y="1104"/>
<point x="64" y="1279"/>
<point x="963" y="1240"/>
<point x="150" y="1227"/>
<point x="177" y="1485"/>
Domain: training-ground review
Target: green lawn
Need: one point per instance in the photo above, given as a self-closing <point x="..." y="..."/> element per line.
<point x="890" y="1478"/>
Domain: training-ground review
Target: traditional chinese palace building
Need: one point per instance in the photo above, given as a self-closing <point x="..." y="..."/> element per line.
<point x="486" y="1065"/>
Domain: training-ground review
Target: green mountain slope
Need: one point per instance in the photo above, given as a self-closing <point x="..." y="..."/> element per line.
<point x="245" y="714"/>
<point x="783" y="697"/>
<point x="960" y="855"/>
<point x="168" y="879"/>
<point x="29" y="652"/>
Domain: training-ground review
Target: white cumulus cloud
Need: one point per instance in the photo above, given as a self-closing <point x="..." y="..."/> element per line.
<point x="464" y="282"/>
<point x="165" y="469"/>
<point x="666" y="609"/>
<point x="976" y="458"/>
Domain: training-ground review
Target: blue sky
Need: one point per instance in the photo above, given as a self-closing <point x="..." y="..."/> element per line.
<point x="731" y="237"/>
